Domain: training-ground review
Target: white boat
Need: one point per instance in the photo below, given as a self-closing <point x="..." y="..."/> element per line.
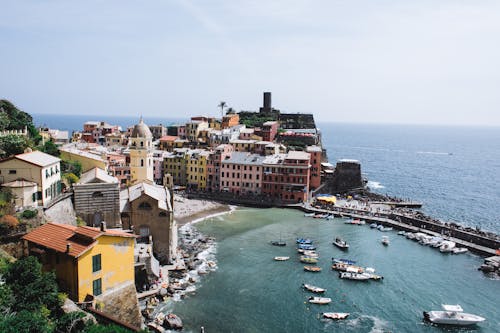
<point x="311" y="253"/>
<point x="452" y="315"/>
<point x="382" y="228"/>
<point x="309" y="214"/>
<point x="447" y="246"/>
<point x="313" y="289"/>
<point x="319" y="300"/>
<point x="410" y="235"/>
<point x="330" y="217"/>
<point x="458" y="250"/>
<point x="355" y="222"/>
<point x="340" y="243"/>
<point x="373" y="225"/>
<point x="385" y="240"/>
<point x="308" y="260"/>
<point x="335" y="315"/>
<point x="371" y="272"/>
<point x="402" y="233"/>
<point x="281" y="258"/>
<point x="354" y="276"/>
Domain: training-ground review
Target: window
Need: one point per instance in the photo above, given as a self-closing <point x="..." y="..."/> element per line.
<point x="12" y="172"/>
<point x="145" y="206"/>
<point x="96" y="263"/>
<point x="97" y="287"/>
<point x="97" y="194"/>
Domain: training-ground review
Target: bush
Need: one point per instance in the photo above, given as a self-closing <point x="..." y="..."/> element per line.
<point x="71" y="178"/>
<point x="10" y="221"/>
<point x="29" y="214"/>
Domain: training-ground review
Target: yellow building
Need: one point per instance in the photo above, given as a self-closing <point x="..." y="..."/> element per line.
<point x="87" y="159"/>
<point x="196" y="169"/>
<point x="141" y="153"/>
<point x="87" y="261"/>
<point x="175" y="165"/>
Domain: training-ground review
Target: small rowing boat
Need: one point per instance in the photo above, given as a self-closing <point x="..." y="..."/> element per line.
<point x="335" y="315"/>
<point x="313" y="289"/>
<point x="281" y="258"/>
<point x="312" y="269"/>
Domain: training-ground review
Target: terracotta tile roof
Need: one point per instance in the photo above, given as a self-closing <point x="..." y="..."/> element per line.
<point x="56" y="236"/>
<point x="169" y="138"/>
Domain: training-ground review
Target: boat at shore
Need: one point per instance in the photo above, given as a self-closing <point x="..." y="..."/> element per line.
<point x="452" y="315"/>
<point x="340" y="243"/>
<point x="458" y="250"/>
<point x="335" y="315"/>
<point x="314" y="269"/>
<point x="281" y="258"/>
<point x="313" y="289"/>
<point x="355" y="222"/>
<point x="309" y="214"/>
<point x="319" y="300"/>
<point x="447" y="246"/>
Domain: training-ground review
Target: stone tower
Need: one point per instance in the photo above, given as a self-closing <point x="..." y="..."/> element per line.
<point x="141" y="154"/>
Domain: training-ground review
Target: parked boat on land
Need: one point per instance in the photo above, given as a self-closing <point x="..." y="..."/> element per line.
<point x="452" y="315"/>
<point x="335" y="315"/>
<point x="312" y="269"/>
<point x="313" y="289"/>
<point x="319" y="300"/>
<point x="340" y="243"/>
<point x="458" y="250"/>
<point x="281" y="258"/>
<point x="385" y="240"/>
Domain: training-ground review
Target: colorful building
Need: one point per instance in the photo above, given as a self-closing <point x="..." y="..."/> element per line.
<point x="241" y="173"/>
<point x="87" y="261"/>
<point x="141" y="153"/>
<point x="286" y="177"/>
<point x="175" y="165"/>
<point x="89" y="160"/>
<point x="316" y="159"/>
<point x="230" y="120"/>
<point x="196" y="169"/>
<point x="214" y="162"/>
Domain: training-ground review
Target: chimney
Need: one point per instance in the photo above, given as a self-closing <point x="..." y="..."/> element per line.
<point x="103" y="226"/>
<point x="68" y="247"/>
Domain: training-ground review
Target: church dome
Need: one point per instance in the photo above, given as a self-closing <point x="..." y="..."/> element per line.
<point x="141" y="130"/>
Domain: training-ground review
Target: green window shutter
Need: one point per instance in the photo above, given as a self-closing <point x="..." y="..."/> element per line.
<point x="96" y="263"/>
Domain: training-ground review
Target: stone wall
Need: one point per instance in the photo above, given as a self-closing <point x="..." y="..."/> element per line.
<point x="121" y="303"/>
<point x="347" y="176"/>
<point x="61" y="212"/>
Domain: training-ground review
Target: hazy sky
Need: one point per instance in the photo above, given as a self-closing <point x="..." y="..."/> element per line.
<point x="401" y="61"/>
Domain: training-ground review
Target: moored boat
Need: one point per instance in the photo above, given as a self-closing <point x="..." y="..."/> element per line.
<point x="354" y="276"/>
<point x="304" y="241"/>
<point x="340" y="243"/>
<point x="281" y="258"/>
<point x="385" y="240"/>
<point x="309" y="214"/>
<point x="343" y="267"/>
<point x="319" y="300"/>
<point x="335" y="315"/>
<point x="374" y="225"/>
<point x="308" y="260"/>
<point x="312" y="269"/>
<point x="447" y="246"/>
<point x="313" y="289"/>
<point x="343" y="260"/>
<point x="452" y="315"/>
<point x="458" y="250"/>
<point x="278" y="243"/>
<point x="355" y="222"/>
<point x="311" y="253"/>
<point x="306" y="247"/>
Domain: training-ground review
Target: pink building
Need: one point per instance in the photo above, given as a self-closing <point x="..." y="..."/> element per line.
<point x="118" y="167"/>
<point x="214" y="166"/>
<point x="269" y="130"/>
<point x="241" y="173"/>
<point x="316" y="157"/>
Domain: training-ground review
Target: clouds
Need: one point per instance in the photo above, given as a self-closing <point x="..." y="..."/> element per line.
<point x="389" y="61"/>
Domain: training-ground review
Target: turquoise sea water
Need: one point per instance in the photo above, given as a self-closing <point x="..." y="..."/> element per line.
<point x="250" y="292"/>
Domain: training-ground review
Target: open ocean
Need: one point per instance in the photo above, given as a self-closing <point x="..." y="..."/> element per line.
<point x="454" y="171"/>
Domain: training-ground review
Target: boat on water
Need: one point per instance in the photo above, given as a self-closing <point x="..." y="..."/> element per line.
<point x="452" y="315"/>
<point x="402" y="233"/>
<point x="343" y="267"/>
<point x="319" y="300"/>
<point x="383" y="229"/>
<point x="304" y="241"/>
<point x="312" y="254"/>
<point x="343" y="260"/>
<point x="340" y="243"/>
<point x="312" y="269"/>
<point x="309" y="214"/>
<point x="374" y="225"/>
<point x="354" y="276"/>
<point x="330" y="217"/>
<point x="335" y="315"/>
<point x="371" y="272"/>
<point x="313" y="289"/>
<point x="385" y="240"/>
<point x="320" y="216"/>
<point x="278" y="243"/>
<point x="355" y="222"/>
<point x="281" y="258"/>
<point x="308" y="260"/>
<point x="458" y="250"/>
<point x="410" y="235"/>
<point x="447" y="246"/>
<point x="306" y="247"/>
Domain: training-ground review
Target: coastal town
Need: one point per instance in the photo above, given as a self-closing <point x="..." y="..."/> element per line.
<point x="109" y="210"/>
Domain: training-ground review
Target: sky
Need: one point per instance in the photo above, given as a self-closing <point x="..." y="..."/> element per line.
<point x="359" y="61"/>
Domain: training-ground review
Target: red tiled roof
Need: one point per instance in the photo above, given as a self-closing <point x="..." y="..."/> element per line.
<point x="56" y="236"/>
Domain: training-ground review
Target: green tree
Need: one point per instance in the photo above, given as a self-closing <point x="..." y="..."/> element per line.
<point x="222" y="105"/>
<point x="71" y="167"/>
<point x="25" y="321"/>
<point x="13" y="145"/>
<point x="31" y="287"/>
<point x="50" y="148"/>
<point x="17" y="118"/>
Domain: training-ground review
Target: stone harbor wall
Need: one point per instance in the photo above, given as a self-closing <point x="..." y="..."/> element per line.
<point x="121" y="303"/>
<point x="61" y="212"/>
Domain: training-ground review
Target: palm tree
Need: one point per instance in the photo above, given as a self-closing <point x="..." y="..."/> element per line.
<point x="230" y="110"/>
<point x="222" y="105"/>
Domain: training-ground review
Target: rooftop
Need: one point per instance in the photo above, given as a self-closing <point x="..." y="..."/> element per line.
<point x="38" y="158"/>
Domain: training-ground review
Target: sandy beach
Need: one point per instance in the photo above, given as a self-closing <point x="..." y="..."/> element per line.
<point x="188" y="210"/>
